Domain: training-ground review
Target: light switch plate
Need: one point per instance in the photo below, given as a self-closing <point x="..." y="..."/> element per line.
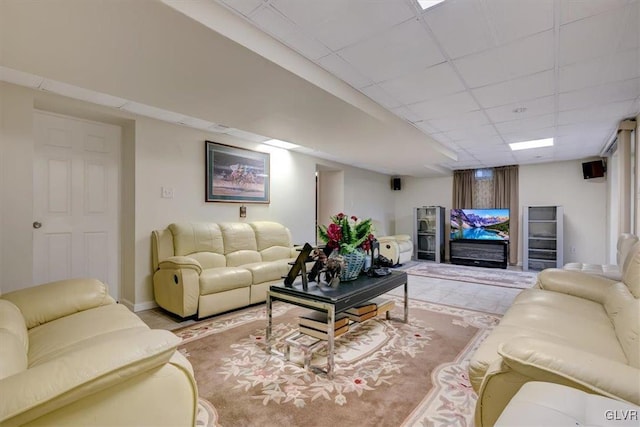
<point x="167" y="193"/>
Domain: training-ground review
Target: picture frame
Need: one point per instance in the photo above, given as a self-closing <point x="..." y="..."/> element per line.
<point x="236" y="175"/>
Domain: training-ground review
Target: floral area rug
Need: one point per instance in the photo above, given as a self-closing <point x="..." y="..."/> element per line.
<point x="487" y="276"/>
<point x="387" y="373"/>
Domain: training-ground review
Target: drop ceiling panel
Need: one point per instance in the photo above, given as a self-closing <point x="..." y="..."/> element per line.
<point x="513" y="20"/>
<point x="520" y="89"/>
<point x="474" y="118"/>
<point x="281" y="28"/>
<point x="531" y="123"/>
<point x="617" y="110"/>
<point x="339" y="23"/>
<point x="445" y="106"/>
<point x="460" y="27"/>
<point x="425" y="84"/>
<point x="245" y="7"/>
<point x="407" y="114"/>
<point x="343" y="70"/>
<point x="480" y="141"/>
<point x="400" y="50"/>
<point x="526" y="135"/>
<point x="380" y="96"/>
<point x="534" y="107"/>
<point x="529" y="55"/>
<point x="591" y="37"/>
<point x="465" y="132"/>
<point x="612" y="92"/>
<point x="582" y="74"/>
<point x="573" y="10"/>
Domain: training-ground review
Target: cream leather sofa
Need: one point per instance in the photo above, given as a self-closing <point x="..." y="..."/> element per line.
<point x="573" y="328"/>
<point x="398" y="248"/>
<point x="206" y="268"/>
<point x="546" y="404"/>
<point x="69" y="355"/>
<point x="612" y="271"/>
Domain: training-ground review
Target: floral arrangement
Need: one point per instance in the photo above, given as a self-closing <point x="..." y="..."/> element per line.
<point x="346" y="234"/>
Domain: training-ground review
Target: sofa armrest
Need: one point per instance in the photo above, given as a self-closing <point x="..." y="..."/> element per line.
<point x="178" y="262"/>
<point x="551" y="362"/>
<point x="575" y="283"/>
<point x="51" y="301"/>
<point x="88" y="370"/>
<point x="402" y="237"/>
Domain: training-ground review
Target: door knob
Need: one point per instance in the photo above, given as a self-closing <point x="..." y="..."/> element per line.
<point x="37" y="224"/>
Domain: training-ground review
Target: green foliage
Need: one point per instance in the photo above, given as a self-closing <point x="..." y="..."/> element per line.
<point x="346" y="233"/>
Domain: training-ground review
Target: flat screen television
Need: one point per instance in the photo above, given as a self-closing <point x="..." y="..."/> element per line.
<point x="480" y="224"/>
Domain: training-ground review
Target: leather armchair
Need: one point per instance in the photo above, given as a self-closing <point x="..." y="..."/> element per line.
<point x="398" y="247"/>
<point x="70" y="355"/>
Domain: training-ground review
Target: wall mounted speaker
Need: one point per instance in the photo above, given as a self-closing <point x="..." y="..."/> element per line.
<point x="594" y="169"/>
<point x="396" y="184"/>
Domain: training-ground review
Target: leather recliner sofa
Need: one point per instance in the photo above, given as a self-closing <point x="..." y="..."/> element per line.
<point x="573" y="328"/>
<point x="612" y="271"/>
<point x="69" y="355"/>
<point x="207" y="268"/>
<point x="398" y="247"/>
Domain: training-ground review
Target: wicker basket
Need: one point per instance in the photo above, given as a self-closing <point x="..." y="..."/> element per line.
<point x="353" y="264"/>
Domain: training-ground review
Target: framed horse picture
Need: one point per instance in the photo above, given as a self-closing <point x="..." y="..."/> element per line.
<point x="236" y="174"/>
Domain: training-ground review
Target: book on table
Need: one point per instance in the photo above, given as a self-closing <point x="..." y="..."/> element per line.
<point x="383" y="304"/>
<point x="323" y="335"/>
<point x="318" y="320"/>
<point x="362" y="308"/>
<point x="362" y="317"/>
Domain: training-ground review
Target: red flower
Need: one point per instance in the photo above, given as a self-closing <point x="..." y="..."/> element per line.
<point x="335" y="232"/>
<point x="340" y="216"/>
<point x="353" y="217"/>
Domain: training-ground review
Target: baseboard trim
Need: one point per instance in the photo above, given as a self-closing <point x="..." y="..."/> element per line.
<point x="148" y="305"/>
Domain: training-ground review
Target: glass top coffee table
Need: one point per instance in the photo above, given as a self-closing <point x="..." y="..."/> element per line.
<point x="333" y="301"/>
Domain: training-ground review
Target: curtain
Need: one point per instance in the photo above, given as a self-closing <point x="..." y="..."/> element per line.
<point x="463" y="181"/>
<point x="505" y="195"/>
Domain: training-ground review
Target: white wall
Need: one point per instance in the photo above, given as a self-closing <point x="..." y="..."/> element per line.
<point x="560" y="183"/>
<point x="584" y="202"/>
<point x="157" y="154"/>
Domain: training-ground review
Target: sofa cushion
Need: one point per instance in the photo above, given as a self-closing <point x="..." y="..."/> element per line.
<point x="11" y="319"/>
<point x="238" y="236"/>
<point x="268" y="271"/>
<point x="209" y="259"/>
<point x="275" y="253"/>
<point x="52" y="338"/>
<point x="269" y="234"/>
<point x="243" y="257"/>
<point x="13" y="356"/>
<point x="552" y="317"/>
<point x="223" y="279"/>
<point x="627" y="325"/>
<point x="190" y="237"/>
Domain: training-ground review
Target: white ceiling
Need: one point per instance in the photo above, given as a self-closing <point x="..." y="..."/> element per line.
<point x="458" y="71"/>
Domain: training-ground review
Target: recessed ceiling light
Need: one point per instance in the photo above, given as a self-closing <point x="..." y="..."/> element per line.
<point x="281" y="144"/>
<point x="519" y="110"/>
<point x="548" y="142"/>
<point x="426" y="4"/>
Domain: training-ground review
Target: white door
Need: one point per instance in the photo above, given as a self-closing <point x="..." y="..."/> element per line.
<point x="76" y="200"/>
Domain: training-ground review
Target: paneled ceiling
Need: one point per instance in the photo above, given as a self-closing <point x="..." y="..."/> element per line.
<point x="476" y="75"/>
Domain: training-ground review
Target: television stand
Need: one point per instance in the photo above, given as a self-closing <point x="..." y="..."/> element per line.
<point x="481" y="253"/>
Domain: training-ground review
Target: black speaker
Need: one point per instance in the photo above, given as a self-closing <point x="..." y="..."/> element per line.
<point x="396" y="184"/>
<point x="593" y="169"/>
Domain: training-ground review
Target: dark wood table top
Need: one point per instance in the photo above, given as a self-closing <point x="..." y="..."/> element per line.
<point x="347" y="294"/>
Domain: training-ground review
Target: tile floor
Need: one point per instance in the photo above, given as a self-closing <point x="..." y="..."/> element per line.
<point x="492" y="299"/>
